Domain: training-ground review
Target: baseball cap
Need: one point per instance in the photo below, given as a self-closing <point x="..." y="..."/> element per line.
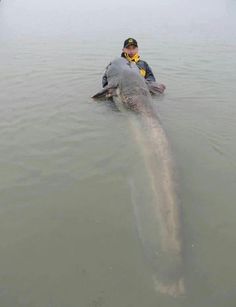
<point x="130" y="41"/>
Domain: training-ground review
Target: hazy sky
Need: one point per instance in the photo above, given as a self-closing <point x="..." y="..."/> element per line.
<point x="19" y="18"/>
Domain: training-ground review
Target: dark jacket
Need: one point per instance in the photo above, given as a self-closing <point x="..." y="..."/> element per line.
<point x="149" y="76"/>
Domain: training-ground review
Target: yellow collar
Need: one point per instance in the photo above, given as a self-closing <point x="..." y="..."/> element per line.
<point x="135" y="58"/>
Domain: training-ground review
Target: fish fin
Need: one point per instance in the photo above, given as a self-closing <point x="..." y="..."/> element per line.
<point x="106" y="92"/>
<point x="156" y="88"/>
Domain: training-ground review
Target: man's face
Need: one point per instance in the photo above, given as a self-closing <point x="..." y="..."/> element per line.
<point x="131" y="50"/>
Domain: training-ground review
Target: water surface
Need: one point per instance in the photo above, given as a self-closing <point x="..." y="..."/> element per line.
<point x="67" y="230"/>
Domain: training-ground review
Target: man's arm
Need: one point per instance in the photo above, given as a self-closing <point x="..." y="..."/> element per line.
<point x="104" y="77"/>
<point x="149" y="74"/>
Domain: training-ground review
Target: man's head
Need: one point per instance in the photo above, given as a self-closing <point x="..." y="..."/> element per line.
<point x="130" y="47"/>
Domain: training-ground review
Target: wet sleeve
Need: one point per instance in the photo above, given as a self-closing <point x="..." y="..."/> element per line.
<point x="149" y="74"/>
<point x="104" y="77"/>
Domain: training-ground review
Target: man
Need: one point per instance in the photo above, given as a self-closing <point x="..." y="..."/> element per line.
<point x="130" y="52"/>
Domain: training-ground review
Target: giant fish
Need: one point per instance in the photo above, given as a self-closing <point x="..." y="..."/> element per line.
<point x="158" y="220"/>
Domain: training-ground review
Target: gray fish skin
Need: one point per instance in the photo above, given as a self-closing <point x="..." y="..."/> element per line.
<point x="158" y="222"/>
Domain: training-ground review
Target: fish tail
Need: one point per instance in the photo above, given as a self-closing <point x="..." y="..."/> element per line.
<point x="173" y="288"/>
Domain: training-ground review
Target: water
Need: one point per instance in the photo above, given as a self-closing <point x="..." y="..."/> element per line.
<point x="67" y="229"/>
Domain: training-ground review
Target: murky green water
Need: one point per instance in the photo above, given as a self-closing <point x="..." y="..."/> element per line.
<point x="67" y="230"/>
